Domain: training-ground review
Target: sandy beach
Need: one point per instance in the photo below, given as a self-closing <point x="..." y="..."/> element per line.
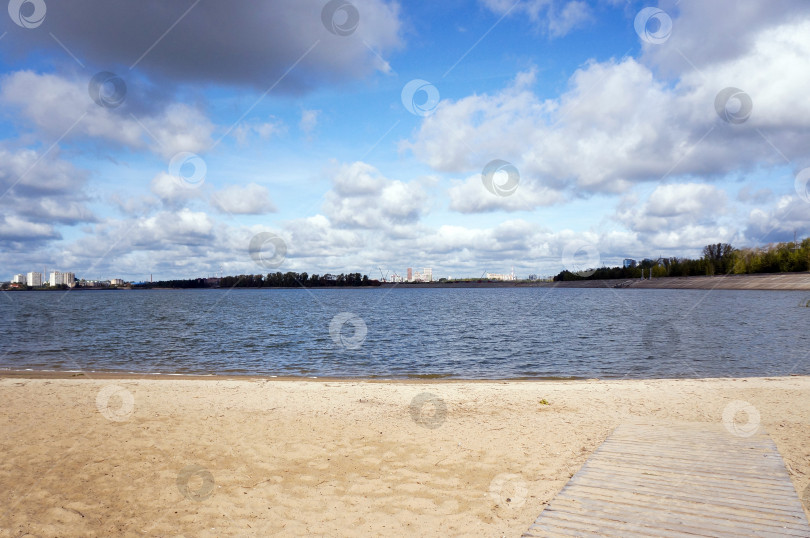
<point x="93" y="455"/>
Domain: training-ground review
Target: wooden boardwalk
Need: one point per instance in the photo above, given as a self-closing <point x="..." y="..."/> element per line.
<point x="686" y="480"/>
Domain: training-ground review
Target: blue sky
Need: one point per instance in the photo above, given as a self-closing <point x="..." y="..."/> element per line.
<point x="609" y="116"/>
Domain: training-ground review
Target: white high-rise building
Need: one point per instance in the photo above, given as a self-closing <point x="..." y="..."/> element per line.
<point x="496" y="276"/>
<point x="425" y="275"/>
<point x="34" y="280"/>
<point x="18" y="279"/>
<point x="58" y="279"/>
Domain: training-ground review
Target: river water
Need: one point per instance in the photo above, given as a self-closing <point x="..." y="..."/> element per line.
<point x="489" y="333"/>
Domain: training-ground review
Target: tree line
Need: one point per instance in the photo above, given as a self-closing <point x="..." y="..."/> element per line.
<point x="270" y="280"/>
<point x="717" y="259"/>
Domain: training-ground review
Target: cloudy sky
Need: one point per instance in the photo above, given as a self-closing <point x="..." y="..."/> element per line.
<point x="175" y="138"/>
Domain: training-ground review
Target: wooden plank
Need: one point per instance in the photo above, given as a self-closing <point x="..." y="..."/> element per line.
<point x="601" y="528"/>
<point x="652" y="496"/>
<point x="685" y="454"/>
<point x="694" y="514"/>
<point x="729" y="465"/>
<point x="662" y="492"/>
<point x="653" y="527"/>
<point x="715" y="481"/>
<point x="707" y="484"/>
<point x="661" y="468"/>
<point x="644" y="469"/>
<point x="684" y="480"/>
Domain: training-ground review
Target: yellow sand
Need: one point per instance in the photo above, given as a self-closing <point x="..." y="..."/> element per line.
<point x="218" y="457"/>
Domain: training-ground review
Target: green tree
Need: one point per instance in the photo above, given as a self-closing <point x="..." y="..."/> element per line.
<point x="718" y="258"/>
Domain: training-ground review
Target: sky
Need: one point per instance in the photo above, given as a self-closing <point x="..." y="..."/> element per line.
<point x="183" y="139"/>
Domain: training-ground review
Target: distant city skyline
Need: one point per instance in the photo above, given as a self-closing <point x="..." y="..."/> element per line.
<point x="35" y="279"/>
<point x="411" y="274"/>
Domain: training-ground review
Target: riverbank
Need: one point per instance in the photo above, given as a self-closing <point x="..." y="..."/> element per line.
<point x="778" y="281"/>
<point x="213" y="457"/>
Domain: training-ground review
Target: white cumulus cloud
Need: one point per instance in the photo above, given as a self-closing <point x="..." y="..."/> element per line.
<point x="250" y="199"/>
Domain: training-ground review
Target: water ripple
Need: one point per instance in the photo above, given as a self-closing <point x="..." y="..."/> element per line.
<point x="411" y="333"/>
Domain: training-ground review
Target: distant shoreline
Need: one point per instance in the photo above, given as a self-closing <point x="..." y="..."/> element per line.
<point x="767" y="281"/>
<point x="762" y="282"/>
